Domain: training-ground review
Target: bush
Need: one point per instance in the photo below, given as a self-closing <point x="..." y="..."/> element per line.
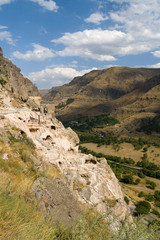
<point x="126" y="200"/>
<point x="149" y="197"/>
<point x="142" y="207"/>
<point x="141" y="175"/>
<point x="69" y="101"/>
<point x="137" y="181"/>
<point x="127" y="179"/>
<point x="151" y="184"/>
<point x="157" y="195"/>
<point x="141" y="194"/>
<point x="155" y="212"/>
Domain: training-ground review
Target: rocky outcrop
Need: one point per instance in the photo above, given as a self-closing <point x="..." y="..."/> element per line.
<point x="56" y="200"/>
<point x="1" y="52"/>
<point x="90" y="180"/>
<point x="13" y="81"/>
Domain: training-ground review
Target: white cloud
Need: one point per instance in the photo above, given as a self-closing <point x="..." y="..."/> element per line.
<point x="39" y="54"/>
<point x="6" y="36"/>
<point x="141" y="20"/>
<point x="2" y="2"/>
<point x="96" y="18"/>
<point x="56" y="76"/>
<point x="48" y="5"/>
<point x="96" y="44"/>
<point x="3" y="27"/>
<point x="135" y="30"/>
<point x="157" y="65"/>
<point x="156" y="54"/>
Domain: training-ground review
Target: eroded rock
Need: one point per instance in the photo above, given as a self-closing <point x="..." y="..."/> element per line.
<point x="56" y="200"/>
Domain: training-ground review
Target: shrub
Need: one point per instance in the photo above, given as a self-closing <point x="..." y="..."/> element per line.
<point x="2" y="82"/>
<point x="142" y="207"/>
<point x="137" y="181"/>
<point x="157" y="195"/>
<point x="127" y="179"/>
<point x="126" y="200"/>
<point x="149" y="197"/>
<point x="151" y="184"/>
<point x="141" y="174"/>
<point x="141" y="194"/>
<point x="69" y="101"/>
<point x="155" y="212"/>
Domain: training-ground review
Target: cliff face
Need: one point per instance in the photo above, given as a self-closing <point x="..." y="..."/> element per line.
<point x="89" y="181"/>
<point x="13" y="81"/>
<point x="76" y="179"/>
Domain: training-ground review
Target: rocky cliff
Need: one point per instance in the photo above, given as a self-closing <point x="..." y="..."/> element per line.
<point x="13" y="81"/>
<point x="78" y="180"/>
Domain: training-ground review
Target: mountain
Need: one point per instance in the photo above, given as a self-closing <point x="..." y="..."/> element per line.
<point x="13" y="81"/>
<point x="43" y="172"/>
<point x="113" y="90"/>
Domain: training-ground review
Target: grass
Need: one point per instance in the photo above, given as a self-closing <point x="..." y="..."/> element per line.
<point x="20" y="218"/>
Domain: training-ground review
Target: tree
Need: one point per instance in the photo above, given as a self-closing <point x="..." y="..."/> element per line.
<point x="157" y="195"/>
<point x="142" y="207"/>
<point x="151" y="184"/>
<point x="127" y="179"/>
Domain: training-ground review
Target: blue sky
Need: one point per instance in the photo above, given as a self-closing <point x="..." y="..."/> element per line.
<point x="54" y="41"/>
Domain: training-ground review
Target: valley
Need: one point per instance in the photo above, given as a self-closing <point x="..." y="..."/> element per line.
<point x="116" y="114"/>
<point x="55" y="181"/>
<point x="134" y="157"/>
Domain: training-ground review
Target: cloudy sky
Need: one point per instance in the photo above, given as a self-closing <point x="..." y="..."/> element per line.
<point x="54" y="41"/>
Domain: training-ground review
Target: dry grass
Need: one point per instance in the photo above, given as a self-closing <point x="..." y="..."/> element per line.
<point x="126" y="150"/>
<point x="19" y="215"/>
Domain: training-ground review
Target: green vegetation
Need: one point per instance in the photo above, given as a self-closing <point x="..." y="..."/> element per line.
<point x="19" y="210"/>
<point x="141" y="194"/>
<point x="19" y="214"/>
<point x="69" y="101"/>
<point x="155" y="212"/>
<point x="149" y="197"/>
<point x="126" y="200"/>
<point x="151" y="184"/>
<point x="127" y="179"/>
<point x="154" y="198"/>
<point x="83" y="124"/>
<point x="142" y="207"/>
<point x="152" y="125"/>
<point x="108" y="157"/>
<point x="62" y="105"/>
<point x="2" y="82"/>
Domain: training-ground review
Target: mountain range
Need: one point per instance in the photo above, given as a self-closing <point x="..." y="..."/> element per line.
<point x="129" y="94"/>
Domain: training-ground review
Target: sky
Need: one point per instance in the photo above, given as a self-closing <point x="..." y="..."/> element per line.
<point x="54" y="41"/>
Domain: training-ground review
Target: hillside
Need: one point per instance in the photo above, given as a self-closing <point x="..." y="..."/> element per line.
<point x="13" y="81"/>
<point x="118" y="90"/>
<point x="45" y="179"/>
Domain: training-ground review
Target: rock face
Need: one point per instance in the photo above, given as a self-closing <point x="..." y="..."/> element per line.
<point x="90" y="180"/>
<point x="13" y="81"/>
<point x="56" y="199"/>
<point x="83" y="180"/>
<point x="1" y="52"/>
